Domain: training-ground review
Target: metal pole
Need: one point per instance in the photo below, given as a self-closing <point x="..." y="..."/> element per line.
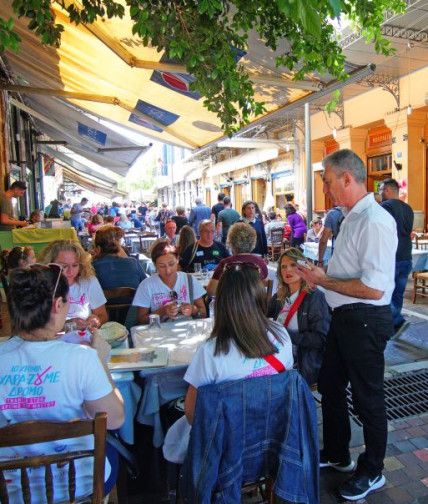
<point x="308" y="162"/>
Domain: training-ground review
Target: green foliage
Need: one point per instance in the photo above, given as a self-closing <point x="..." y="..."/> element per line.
<point x="205" y="34"/>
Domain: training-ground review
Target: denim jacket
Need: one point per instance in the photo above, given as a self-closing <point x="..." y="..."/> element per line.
<point x="246" y="429"/>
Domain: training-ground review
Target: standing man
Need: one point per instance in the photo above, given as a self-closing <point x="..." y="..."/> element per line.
<point x="198" y="213"/>
<point x="403" y="216"/>
<point x="226" y="218"/>
<point x="358" y="286"/>
<point x="162" y="217"/>
<point x="218" y="207"/>
<point x="8" y="219"/>
<point x="332" y="223"/>
<point x="76" y="214"/>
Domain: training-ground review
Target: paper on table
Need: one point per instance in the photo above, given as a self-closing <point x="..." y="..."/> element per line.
<point x="138" y="358"/>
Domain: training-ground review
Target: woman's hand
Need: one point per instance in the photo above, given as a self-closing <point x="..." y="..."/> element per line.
<point x="81" y="324"/>
<point x="93" y="322"/>
<point x="100" y="345"/>
<point x="171" y="310"/>
<point x="187" y="310"/>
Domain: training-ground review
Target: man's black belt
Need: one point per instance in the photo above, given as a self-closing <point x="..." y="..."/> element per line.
<point x="355" y="306"/>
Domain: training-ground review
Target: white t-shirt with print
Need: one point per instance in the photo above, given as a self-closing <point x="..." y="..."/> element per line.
<point x="207" y="368"/>
<point x="293" y="323"/>
<point x="85" y="296"/>
<point x="153" y="293"/>
<point x="49" y="380"/>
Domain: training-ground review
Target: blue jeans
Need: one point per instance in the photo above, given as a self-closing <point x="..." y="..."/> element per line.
<point x="402" y="271"/>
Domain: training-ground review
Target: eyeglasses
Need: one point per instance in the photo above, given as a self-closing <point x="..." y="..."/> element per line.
<point x="57" y="268"/>
<point x="239" y="265"/>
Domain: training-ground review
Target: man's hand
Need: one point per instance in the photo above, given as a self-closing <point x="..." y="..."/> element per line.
<point x="313" y="275"/>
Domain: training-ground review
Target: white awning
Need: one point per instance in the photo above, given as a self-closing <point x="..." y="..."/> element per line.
<point x="242" y="161"/>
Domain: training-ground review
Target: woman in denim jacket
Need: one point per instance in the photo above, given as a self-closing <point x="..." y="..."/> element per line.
<point x="309" y="325"/>
<point x="243" y="344"/>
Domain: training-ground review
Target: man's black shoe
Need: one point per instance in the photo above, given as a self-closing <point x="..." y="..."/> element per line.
<point x="344" y="466"/>
<point x="358" y="486"/>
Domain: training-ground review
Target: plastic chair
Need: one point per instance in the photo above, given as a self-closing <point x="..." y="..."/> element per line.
<point x="26" y="433"/>
<point x="122" y="299"/>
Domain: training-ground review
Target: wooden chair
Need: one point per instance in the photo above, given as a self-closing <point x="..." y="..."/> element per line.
<point x="421" y="241"/>
<point x="144" y="244"/>
<point x="419" y="284"/>
<point x="268" y="283"/>
<point x="26" y="433"/>
<point x="276" y="243"/>
<point x="122" y="299"/>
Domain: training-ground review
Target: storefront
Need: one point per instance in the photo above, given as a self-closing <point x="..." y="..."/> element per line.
<point x="283" y="188"/>
<point x="379" y="157"/>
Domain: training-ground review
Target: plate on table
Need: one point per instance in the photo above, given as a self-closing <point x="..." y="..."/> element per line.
<point x="128" y="359"/>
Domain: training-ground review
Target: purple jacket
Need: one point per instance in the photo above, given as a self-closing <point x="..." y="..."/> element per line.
<point x="297" y="224"/>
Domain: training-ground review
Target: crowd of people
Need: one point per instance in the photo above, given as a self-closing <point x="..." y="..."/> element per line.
<point x="331" y="326"/>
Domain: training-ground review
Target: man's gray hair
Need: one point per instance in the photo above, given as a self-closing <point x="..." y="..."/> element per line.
<point x="345" y="160"/>
<point x="198" y="200"/>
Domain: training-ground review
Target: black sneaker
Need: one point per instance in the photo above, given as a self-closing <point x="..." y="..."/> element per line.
<point x="344" y="466"/>
<point x="358" y="486"/>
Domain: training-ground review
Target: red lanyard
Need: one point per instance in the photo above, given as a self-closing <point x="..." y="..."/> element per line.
<point x="295" y="307"/>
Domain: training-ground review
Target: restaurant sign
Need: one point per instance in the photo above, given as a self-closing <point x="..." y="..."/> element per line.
<point x="379" y="138"/>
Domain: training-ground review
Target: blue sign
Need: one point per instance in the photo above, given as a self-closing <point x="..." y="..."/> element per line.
<point x="145" y="124"/>
<point x="160" y="115"/>
<point x="93" y="134"/>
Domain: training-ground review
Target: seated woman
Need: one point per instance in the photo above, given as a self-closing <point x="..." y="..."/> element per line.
<point x="18" y="257"/>
<point x="75" y="382"/>
<point x="87" y="301"/>
<point x="314" y="234"/>
<point x="244" y="343"/>
<point x="303" y="312"/>
<point x="167" y="293"/>
<point x="186" y="238"/>
<point x="112" y="268"/>
<point x="124" y="223"/>
<point x="96" y="222"/>
<point x="241" y="240"/>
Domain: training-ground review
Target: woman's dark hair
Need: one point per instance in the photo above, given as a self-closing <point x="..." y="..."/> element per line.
<point x="246" y="203"/>
<point x="272" y="216"/>
<point x="289" y="209"/>
<point x="107" y="238"/>
<point x="239" y="288"/>
<point x="31" y="293"/>
<point x="162" y="248"/>
<point x="10" y="258"/>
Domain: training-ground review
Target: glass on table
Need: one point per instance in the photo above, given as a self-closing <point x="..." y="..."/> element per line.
<point x="154" y="324"/>
<point x="70" y="327"/>
<point x="198" y="268"/>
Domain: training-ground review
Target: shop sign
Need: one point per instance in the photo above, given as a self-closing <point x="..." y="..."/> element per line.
<point x="380" y="138"/>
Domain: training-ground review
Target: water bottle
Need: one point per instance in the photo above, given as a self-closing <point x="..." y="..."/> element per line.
<point x="154" y="324"/>
<point x="211" y="308"/>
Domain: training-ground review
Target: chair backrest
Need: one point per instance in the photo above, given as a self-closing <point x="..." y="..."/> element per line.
<point x="33" y="432"/>
<point x="119" y="301"/>
<point x="268" y="283"/>
<point x="421" y="241"/>
<point x="277" y="236"/>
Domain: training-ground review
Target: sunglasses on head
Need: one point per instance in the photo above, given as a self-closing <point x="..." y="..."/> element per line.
<point x="240" y="265"/>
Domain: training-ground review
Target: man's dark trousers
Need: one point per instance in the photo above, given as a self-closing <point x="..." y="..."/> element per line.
<point x="402" y="271"/>
<point x="354" y="353"/>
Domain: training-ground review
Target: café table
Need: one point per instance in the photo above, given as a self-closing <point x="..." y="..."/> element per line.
<point x="310" y="250"/>
<point x="203" y="278"/>
<point x="419" y="259"/>
<point x="161" y="385"/>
